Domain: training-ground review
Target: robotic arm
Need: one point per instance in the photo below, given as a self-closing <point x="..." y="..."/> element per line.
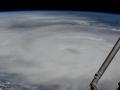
<point x="106" y="63"/>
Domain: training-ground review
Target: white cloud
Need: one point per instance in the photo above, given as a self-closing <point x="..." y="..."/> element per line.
<point x="57" y="54"/>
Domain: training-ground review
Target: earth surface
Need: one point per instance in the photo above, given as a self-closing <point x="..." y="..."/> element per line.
<point x="57" y="50"/>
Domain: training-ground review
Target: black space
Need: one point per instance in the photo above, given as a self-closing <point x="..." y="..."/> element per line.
<point x="107" y="6"/>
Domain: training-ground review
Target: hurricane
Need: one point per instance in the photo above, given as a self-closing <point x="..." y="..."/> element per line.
<point x="57" y="50"/>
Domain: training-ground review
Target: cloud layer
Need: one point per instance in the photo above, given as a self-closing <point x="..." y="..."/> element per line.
<point x="57" y="49"/>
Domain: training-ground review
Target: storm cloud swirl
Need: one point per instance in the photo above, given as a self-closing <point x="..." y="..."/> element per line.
<point x="57" y="50"/>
